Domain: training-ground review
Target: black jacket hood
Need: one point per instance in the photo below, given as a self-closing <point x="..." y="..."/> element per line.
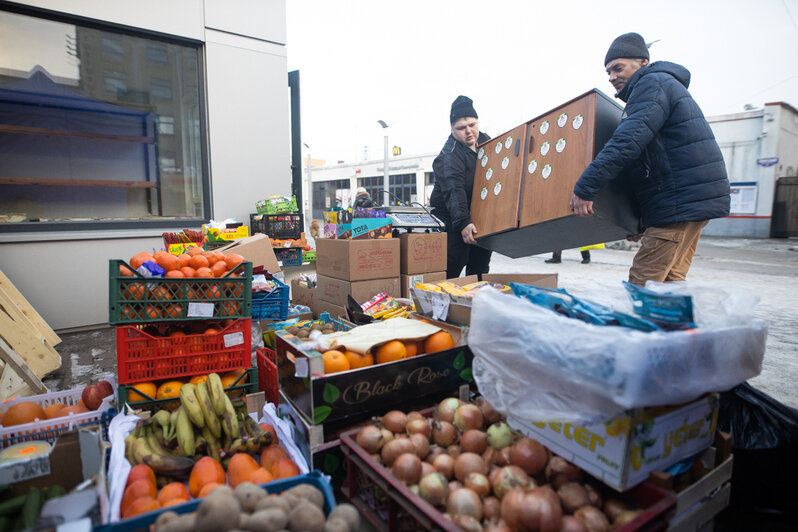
<point x="681" y="74"/>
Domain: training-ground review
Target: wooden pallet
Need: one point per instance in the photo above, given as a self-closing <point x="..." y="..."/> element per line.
<point x="26" y="344"/>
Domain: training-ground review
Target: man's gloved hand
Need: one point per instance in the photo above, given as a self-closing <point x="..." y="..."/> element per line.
<point x="468" y="233"/>
<point x="581" y="207"/>
<point x="634" y="238"/>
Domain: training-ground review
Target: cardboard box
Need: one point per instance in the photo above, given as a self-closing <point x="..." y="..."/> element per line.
<point x="256" y="249"/>
<point x="422" y="252"/>
<point x="358" y="260"/>
<point x="352" y="394"/>
<point x="320" y="306"/>
<point x="624" y="450"/>
<point x="302" y="295"/>
<point x="457" y="309"/>
<point x="337" y="291"/>
<point x="369" y="228"/>
<point x="409" y="281"/>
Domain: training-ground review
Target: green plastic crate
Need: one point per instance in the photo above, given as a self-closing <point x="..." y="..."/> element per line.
<point x="140" y="299"/>
<point x="276" y="205"/>
<point x="309" y="256"/>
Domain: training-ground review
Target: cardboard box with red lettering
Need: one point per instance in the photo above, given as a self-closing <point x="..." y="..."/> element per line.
<point x="256" y="249"/>
<point x="337" y="290"/>
<point x="622" y="451"/>
<point x="358" y="260"/>
<point x="301" y="294"/>
<point x="422" y="252"/>
<point x="409" y="281"/>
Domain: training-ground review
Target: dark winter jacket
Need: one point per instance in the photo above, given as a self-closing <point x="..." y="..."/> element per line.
<point x="364" y="201"/>
<point x="667" y="146"/>
<point x="454" y="169"/>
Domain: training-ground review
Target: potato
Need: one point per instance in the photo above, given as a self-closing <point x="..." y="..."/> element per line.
<point x="164" y="518"/>
<point x="183" y="523"/>
<point x="216" y="512"/>
<point x="309" y="493"/>
<point x="224" y="490"/>
<point x="270" y="520"/>
<point x="274" y="502"/>
<point x="348" y="513"/>
<point x="337" y="525"/>
<point x="306" y="516"/>
<point x="248" y="495"/>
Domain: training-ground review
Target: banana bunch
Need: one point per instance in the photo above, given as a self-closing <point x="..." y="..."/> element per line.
<point x="207" y="423"/>
<point x="394" y="312"/>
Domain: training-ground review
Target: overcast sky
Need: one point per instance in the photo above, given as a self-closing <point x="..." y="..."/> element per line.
<point x="405" y="62"/>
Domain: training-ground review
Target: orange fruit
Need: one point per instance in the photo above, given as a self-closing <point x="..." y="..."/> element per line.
<point x="219" y="268"/>
<point x="136" y="290"/>
<point x="232" y="260"/>
<point x="196" y="379"/>
<point x="160" y="293"/>
<point x="139" y="506"/>
<point x="270" y="455"/>
<point x="174" y="310"/>
<point x="139" y="472"/>
<point x="357" y="360"/>
<point x="136" y="490"/>
<point x="74" y="409"/>
<point x="212" y="258"/>
<point x="414" y="348"/>
<point x="145" y="387"/>
<point x="260" y="476"/>
<point x="24" y="412"/>
<point x="188" y="271"/>
<point x="240" y="468"/>
<point x="184" y="258"/>
<point x="152" y="312"/>
<point x="211" y="330"/>
<point x="194" y="250"/>
<point x="284" y="468"/>
<point x="205" y="471"/>
<point x="268" y="428"/>
<point x="335" y="361"/>
<point x="169" y="262"/>
<point x="173" y="490"/>
<point x="175" y="334"/>
<point x="174" y="502"/>
<point x="175" y="274"/>
<point x="203" y="272"/>
<point x="54" y="410"/>
<point x="124" y="271"/>
<point x="207" y="489"/>
<point x="139" y="258"/>
<point x="230" y="378"/>
<point x="391" y="351"/>
<point x="169" y="390"/>
<point x="440" y="341"/>
<point x="199" y="261"/>
<point x="213" y="291"/>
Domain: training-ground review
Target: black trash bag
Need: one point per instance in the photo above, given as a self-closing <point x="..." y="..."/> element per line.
<point x="765" y="445"/>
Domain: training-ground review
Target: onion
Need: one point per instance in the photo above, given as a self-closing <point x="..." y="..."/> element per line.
<point x="496" y="525"/>
<point x="490" y="414"/>
<point x="395" y="421"/>
<point x="467" y="417"/>
<point x="613" y="508"/>
<point x="427" y="468"/>
<point x="387" y="435"/>
<point x="573" y="496"/>
<point x="549" y="511"/>
<point x="478" y="483"/>
<point x="414" y="415"/>
<point x="473" y="441"/>
<point x="370" y="439"/>
<point x="569" y="523"/>
<point x="512" y="503"/>
<point x="391" y="450"/>
<point x="454" y="450"/>
<point x="593" y="496"/>
<point x="490" y="455"/>
<point x="444" y="464"/>
<point x="464" y="502"/>
<point x="418" y="426"/>
<point x="443" y="433"/>
<point x="500" y="435"/>
<point x="529" y="455"/>
<point x="547" y="492"/>
<point x="455" y="485"/>
<point x="559" y="471"/>
<point x="446" y="408"/>
<point x="504" y="457"/>
<point x="507" y="478"/>
<point x="593" y="518"/>
<point x="413" y="489"/>
<point x="625" y="518"/>
<point x="434" y="452"/>
<point x="491" y="507"/>
<point x="434" y="489"/>
<point x="407" y="468"/>
<point x="421" y="445"/>
<point x="468" y="523"/>
<point x="468" y="463"/>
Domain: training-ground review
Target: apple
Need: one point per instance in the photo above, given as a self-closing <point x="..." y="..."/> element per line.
<point x="105" y="388"/>
<point x="92" y="396"/>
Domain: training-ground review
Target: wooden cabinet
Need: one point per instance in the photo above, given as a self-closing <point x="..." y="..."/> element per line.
<point x="525" y="179"/>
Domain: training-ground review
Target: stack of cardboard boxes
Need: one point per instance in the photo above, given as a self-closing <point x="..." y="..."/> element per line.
<point x="423" y="259"/>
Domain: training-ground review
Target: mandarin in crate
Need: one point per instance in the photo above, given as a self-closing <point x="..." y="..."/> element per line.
<point x="124" y="271"/>
<point x="175" y="310"/>
<point x="160" y="293"/>
<point x="141" y="506"/>
<point x="141" y="471"/>
<point x="194" y="250"/>
<point x="203" y="272"/>
<point x="74" y="409"/>
<point x="284" y="468"/>
<point x="24" y="412"/>
<point x="213" y="292"/>
<point x="261" y="476"/>
<point x="269" y="428"/>
<point x="199" y="261"/>
<point x="359" y="360"/>
<point x="136" y="291"/>
<point x="334" y="362"/>
<point x="205" y="471"/>
<point x="219" y="268"/>
<point x="233" y="260"/>
<point x="136" y="490"/>
<point x="152" y="312"/>
<point x="211" y="257"/>
<point x="54" y="410"/>
<point x="169" y="390"/>
<point x="139" y="258"/>
<point x="207" y="489"/>
<point x="184" y="259"/>
<point x="148" y="388"/>
<point x="173" y="490"/>
<point x="270" y="455"/>
<point x="440" y="341"/>
<point x="174" y="274"/>
<point x="240" y="468"/>
<point x="196" y="379"/>
<point x="414" y="348"/>
<point x="188" y="271"/>
<point x="390" y="352"/>
<point x="169" y="262"/>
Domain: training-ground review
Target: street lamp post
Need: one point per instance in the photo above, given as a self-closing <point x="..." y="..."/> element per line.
<point x="385" y="179"/>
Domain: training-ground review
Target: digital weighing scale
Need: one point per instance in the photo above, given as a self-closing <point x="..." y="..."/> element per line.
<point x="410" y="218"/>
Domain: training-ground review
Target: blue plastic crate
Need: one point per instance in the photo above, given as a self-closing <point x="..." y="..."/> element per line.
<point x="143" y="522"/>
<point x="289" y="256"/>
<point x="271" y="305"/>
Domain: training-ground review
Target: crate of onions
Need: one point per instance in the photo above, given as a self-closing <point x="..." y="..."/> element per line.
<point x="459" y="466"/>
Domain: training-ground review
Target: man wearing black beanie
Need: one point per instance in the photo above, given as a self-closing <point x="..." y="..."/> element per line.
<point x="454" y="169"/>
<point x="667" y="149"/>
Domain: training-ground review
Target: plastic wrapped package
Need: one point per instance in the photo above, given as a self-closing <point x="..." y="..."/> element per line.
<point x="542" y="366"/>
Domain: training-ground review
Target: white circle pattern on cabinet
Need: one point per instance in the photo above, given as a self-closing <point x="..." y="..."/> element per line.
<point x="481" y="152"/>
<point x="532" y="166"/>
<point x="498" y="147"/>
<point x="544" y="127"/>
<point x="562" y="119"/>
<point x="560" y="146"/>
<point x="508" y="142"/>
<point x="546" y="172"/>
<point x="505" y="163"/>
<point x="577" y="121"/>
<point x="489" y="174"/>
<point x="483" y="193"/>
<point x="497" y="188"/>
<point x="544" y="148"/>
<point x="484" y="161"/>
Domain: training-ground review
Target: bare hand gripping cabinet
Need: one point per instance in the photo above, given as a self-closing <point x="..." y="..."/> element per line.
<point x="525" y="179"/>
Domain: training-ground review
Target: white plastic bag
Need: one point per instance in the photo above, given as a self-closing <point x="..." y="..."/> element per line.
<point x="542" y="366"/>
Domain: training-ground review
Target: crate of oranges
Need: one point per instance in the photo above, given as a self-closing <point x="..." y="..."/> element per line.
<point x="169" y="350"/>
<point x="164" y="287"/>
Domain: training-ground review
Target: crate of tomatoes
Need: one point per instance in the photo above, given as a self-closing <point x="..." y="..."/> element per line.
<point x="164" y="287"/>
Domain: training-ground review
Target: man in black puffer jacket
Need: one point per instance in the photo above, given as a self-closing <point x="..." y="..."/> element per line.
<point x="454" y="169"/>
<point x="676" y="165"/>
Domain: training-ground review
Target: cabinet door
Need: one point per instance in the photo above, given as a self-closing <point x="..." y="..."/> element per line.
<point x="497" y="182"/>
<point x="559" y="148"/>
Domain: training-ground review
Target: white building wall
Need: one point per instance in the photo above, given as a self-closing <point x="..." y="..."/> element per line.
<point x="65" y="275"/>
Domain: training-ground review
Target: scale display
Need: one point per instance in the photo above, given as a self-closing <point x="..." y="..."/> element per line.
<point x="412" y="217"/>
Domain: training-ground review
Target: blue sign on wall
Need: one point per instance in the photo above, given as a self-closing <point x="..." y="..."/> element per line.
<point x="767" y="161"/>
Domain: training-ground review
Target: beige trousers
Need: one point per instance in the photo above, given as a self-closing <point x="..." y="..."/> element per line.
<point x="666" y="252"/>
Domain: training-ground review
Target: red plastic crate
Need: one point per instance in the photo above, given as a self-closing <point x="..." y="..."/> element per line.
<point x="390" y="506"/>
<point x="267" y="375"/>
<point x="141" y="357"/>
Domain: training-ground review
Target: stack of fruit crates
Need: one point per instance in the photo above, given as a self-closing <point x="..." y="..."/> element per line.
<point x="170" y="331"/>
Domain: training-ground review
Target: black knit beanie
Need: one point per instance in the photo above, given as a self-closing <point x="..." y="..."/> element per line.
<point x="629" y="45"/>
<point x="462" y="107"/>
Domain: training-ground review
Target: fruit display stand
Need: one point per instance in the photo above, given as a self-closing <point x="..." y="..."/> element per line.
<point x="49" y="429"/>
